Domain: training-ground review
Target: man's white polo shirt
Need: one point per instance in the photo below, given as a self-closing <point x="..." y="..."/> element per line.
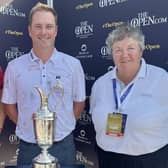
<point x="27" y="72"/>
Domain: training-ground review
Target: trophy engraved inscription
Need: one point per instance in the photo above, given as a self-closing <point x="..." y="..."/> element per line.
<point x="44" y="124"/>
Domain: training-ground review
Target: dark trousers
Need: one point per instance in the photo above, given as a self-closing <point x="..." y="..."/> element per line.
<point x="158" y="159"/>
<point x="64" y="151"/>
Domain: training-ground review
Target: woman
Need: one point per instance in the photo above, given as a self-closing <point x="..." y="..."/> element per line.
<point x="129" y="106"/>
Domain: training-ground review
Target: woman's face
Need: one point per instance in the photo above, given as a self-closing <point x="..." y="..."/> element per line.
<point x="126" y="54"/>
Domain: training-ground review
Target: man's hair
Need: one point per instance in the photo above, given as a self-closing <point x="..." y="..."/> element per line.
<point x="42" y="7"/>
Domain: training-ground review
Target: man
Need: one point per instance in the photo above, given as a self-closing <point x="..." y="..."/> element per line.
<point x="44" y="67"/>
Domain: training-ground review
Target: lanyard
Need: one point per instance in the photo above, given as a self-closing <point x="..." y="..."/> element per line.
<point x="123" y="96"/>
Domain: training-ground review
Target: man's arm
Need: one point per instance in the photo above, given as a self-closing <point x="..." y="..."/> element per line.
<point x="78" y="108"/>
<point x="2" y="117"/>
<point x="11" y="111"/>
<point x="2" y="114"/>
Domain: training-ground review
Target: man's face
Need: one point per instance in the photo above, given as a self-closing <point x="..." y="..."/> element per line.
<point x="43" y="30"/>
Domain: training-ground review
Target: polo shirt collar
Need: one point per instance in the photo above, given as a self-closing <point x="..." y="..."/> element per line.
<point x="33" y="57"/>
<point x="53" y="58"/>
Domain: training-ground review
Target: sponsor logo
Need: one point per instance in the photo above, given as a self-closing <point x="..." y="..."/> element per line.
<point x="85" y="118"/>
<point x="84" y="6"/>
<point x="104" y="53"/>
<point x="83" y="159"/>
<point x="84" y="30"/>
<point x="84" y="53"/>
<point x="82" y="137"/>
<point x="13" y="53"/>
<point x="13" y="33"/>
<point x="112" y="24"/>
<point x="83" y="47"/>
<point x="82" y="133"/>
<point x="151" y="47"/>
<point x="145" y="19"/>
<point x="106" y="3"/>
<point x="13" y="139"/>
<point x="11" y="11"/>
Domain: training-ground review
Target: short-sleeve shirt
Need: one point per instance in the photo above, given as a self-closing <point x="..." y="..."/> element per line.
<point x="27" y="72"/>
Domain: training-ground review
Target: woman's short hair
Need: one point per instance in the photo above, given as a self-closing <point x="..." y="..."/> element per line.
<point x="123" y="31"/>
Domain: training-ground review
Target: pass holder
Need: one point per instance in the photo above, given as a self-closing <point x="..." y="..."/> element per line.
<point x="116" y="123"/>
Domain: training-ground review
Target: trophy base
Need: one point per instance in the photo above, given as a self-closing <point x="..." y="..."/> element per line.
<point x="45" y="161"/>
<point x="46" y="165"/>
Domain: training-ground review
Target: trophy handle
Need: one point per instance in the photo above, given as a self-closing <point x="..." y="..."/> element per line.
<point x="44" y="98"/>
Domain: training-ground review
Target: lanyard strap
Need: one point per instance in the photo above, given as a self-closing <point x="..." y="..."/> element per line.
<point x="123" y="96"/>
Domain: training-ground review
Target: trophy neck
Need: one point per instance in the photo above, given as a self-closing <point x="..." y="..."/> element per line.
<point x="44" y="107"/>
<point x="44" y="102"/>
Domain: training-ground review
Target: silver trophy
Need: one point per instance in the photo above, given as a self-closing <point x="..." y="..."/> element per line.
<point x="44" y="125"/>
